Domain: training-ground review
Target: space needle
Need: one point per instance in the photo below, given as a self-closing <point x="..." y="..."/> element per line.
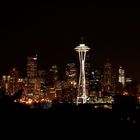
<point x="82" y="49"/>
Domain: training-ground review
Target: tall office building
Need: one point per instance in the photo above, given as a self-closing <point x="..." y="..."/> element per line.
<point x="5" y="83"/>
<point x="31" y="75"/>
<point x="42" y="76"/>
<point x="32" y="67"/>
<point x="87" y="66"/>
<point x="53" y="75"/>
<point x="13" y="83"/>
<point x="54" y="70"/>
<point x="71" y="75"/>
<point x="115" y="80"/>
<point x="107" y="76"/>
<point x="95" y="81"/>
<point x="121" y="78"/>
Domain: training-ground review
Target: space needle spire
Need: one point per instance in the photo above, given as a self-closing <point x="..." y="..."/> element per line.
<point x="82" y="49"/>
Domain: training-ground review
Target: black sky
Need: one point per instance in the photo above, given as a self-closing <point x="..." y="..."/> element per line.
<point x="53" y="29"/>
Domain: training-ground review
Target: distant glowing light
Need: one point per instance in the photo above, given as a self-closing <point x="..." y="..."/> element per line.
<point x="14" y="69"/>
<point x="125" y="93"/>
<point x="29" y="102"/>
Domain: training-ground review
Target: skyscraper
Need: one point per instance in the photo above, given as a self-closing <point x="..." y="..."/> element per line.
<point x="87" y="66"/>
<point x="31" y="75"/>
<point x="13" y="85"/>
<point x="53" y="75"/>
<point x="95" y="80"/>
<point x="107" y="76"/>
<point x="71" y="74"/>
<point x="42" y="75"/>
<point x="32" y="67"/>
<point x="121" y="78"/>
<point x="11" y="82"/>
<point x="82" y="94"/>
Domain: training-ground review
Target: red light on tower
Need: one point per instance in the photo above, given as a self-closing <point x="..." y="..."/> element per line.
<point x="14" y="69"/>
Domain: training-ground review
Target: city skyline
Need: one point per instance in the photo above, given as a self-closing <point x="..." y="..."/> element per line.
<point x="53" y="31"/>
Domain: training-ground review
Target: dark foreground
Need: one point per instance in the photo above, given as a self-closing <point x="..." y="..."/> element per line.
<point x="69" y="119"/>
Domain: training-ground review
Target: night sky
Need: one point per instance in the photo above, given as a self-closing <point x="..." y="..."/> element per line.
<point x="53" y="30"/>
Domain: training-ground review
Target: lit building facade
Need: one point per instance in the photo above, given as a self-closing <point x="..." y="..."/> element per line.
<point x="87" y="66"/>
<point x="42" y="76"/>
<point x="95" y="83"/>
<point x="107" y="76"/>
<point x="5" y="83"/>
<point x="121" y="78"/>
<point x="54" y="74"/>
<point x="115" y="82"/>
<point x="71" y="75"/>
<point x="12" y="82"/>
<point x="31" y="75"/>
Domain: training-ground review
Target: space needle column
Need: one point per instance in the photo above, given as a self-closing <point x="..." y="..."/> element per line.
<point x="82" y="95"/>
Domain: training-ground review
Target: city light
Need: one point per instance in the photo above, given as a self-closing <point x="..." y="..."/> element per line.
<point x="94" y="86"/>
